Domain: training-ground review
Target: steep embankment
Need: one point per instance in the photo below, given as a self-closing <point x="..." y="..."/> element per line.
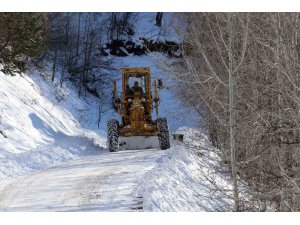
<point x="42" y="127"/>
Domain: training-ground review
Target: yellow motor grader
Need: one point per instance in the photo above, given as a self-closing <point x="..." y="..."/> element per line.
<point x="135" y="106"/>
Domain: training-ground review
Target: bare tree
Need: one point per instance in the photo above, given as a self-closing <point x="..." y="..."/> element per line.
<point x="75" y="43"/>
<point x="242" y="69"/>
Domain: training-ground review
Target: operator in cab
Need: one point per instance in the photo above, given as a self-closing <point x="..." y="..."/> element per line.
<point x="137" y="88"/>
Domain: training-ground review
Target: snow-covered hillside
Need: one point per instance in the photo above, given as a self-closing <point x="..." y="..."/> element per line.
<point x="42" y="125"/>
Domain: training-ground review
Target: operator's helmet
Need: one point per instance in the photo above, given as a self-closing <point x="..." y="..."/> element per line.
<point x="136" y="84"/>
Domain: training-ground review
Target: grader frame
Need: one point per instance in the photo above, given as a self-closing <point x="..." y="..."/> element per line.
<point x="135" y="108"/>
<point x="139" y="121"/>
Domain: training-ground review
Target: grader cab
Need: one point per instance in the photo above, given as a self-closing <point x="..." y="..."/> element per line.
<point x="135" y="106"/>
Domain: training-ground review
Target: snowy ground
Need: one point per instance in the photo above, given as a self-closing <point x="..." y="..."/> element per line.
<point x="136" y="180"/>
<point x="50" y="163"/>
<point x="104" y="182"/>
<point x="55" y="158"/>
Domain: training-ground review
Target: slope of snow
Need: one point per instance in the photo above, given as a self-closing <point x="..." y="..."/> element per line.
<point x="25" y="116"/>
<point x="184" y="180"/>
<point x="40" y="126"/>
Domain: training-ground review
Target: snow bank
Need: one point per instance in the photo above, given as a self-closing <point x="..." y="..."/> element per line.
<point x="42" y="123"/>
<point x="28" y="118"/>
<point x="185" y="180"/>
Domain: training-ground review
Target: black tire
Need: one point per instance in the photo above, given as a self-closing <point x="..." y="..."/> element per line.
<point x="113" y="135"/>
<point x="163" y="133"/>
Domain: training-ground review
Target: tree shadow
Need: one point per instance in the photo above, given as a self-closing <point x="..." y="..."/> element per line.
<point x="43" y="127"/>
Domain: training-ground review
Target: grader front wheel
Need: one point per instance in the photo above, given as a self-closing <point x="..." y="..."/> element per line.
<point x="113" y="135"/>
<point x="163" y="133"/>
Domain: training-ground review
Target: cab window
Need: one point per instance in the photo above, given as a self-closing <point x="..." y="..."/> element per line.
<point x="141" y="81"/>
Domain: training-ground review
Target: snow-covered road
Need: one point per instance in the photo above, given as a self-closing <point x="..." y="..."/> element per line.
<point x="107" y="181"/>
<point x="54" y="156"/>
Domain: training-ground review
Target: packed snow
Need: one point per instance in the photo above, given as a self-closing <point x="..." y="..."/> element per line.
<point x="186" y="179"/>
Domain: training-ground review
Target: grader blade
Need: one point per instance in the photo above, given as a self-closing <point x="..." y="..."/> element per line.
<point x="139" y="142"/>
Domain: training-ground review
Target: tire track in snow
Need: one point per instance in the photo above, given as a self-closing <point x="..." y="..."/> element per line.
<point x="104" y="182"/>
<point x="88" y="189"/>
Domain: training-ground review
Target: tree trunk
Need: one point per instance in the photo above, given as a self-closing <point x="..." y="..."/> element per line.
<point x="78" y="35"/>
<point x="231" y="115"/>
<point x="159" y="16"/>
